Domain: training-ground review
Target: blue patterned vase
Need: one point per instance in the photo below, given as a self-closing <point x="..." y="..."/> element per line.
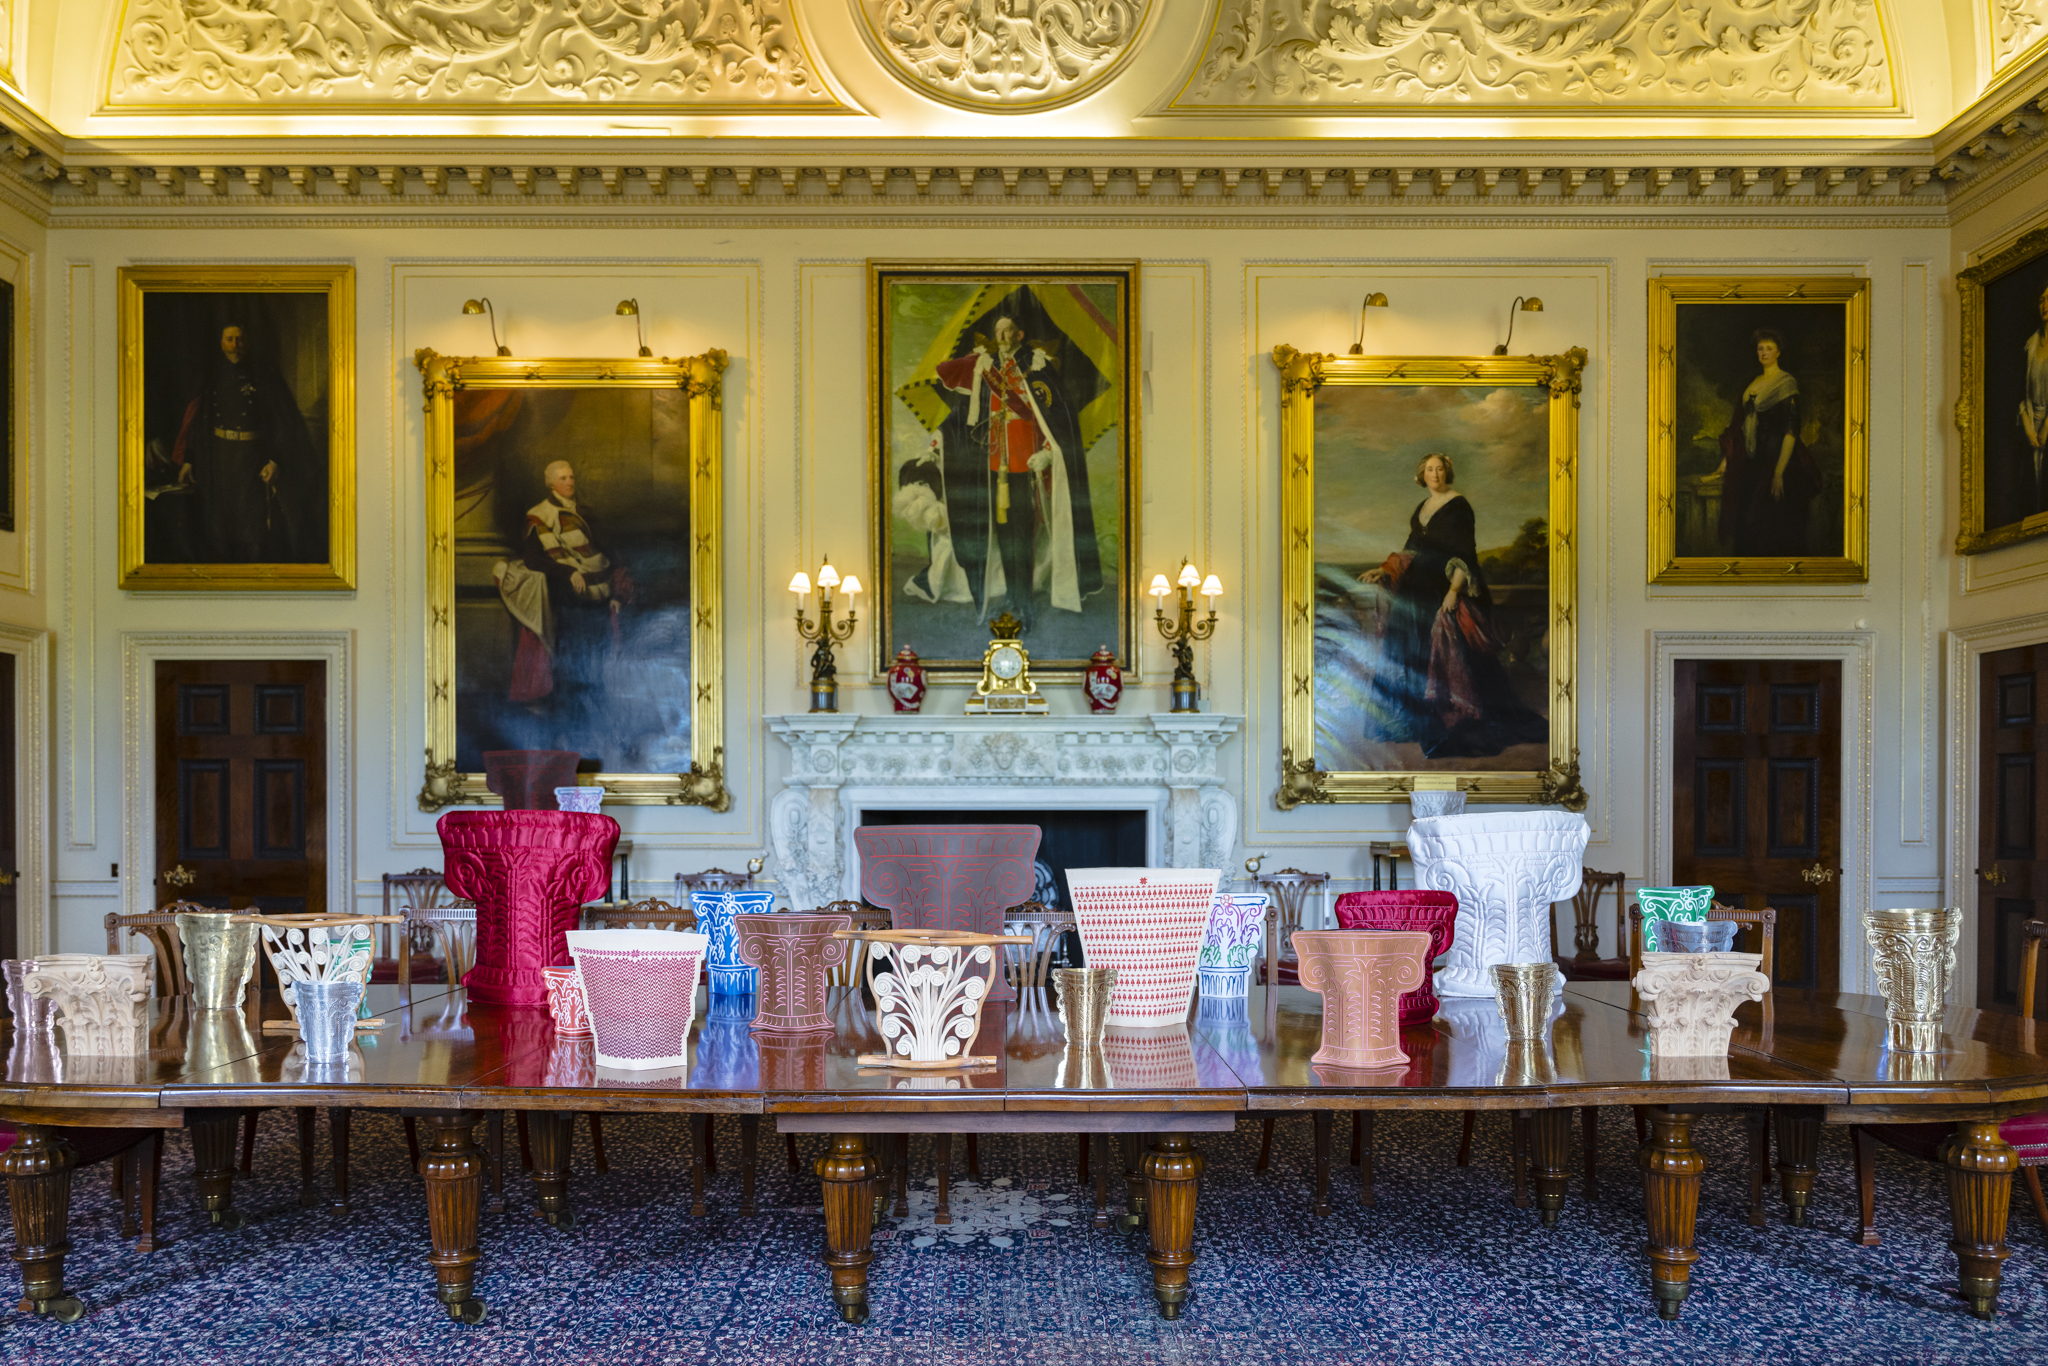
<point x="1237" y="928"/>
<point x="729" y="975"/>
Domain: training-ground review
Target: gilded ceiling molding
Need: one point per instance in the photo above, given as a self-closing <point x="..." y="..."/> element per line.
<point x="1004" y="56"/>
<point x="694" y="54"/>
<point x="2016" y="25"/>
<point x="1733" y="56"/>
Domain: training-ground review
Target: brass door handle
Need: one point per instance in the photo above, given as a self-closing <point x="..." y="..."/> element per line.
<point x="1817" y="874"/>
<point x="180" y="876"/>
<point x="1993" y="875"/>
<point x="6" y="879"/>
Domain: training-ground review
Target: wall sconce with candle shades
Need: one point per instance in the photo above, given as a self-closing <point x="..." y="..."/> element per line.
<point x="1181" y="633"/>
<point x="825" y="633"/>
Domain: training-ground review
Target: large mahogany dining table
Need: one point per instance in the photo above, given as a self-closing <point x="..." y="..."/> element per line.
<point x="449" y="1062"/>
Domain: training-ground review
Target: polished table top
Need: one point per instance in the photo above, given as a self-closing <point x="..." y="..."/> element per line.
<point x="443" y="1051"/>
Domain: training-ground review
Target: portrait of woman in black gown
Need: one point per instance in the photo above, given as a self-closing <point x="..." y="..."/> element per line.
<point x="1440" y="681"/>
<point x="1770" y="476"/>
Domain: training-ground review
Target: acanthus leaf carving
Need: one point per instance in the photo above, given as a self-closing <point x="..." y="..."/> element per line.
<point x="707" y="53"/>
<point x="1285" y="55"/>
<point x="1025" y="54"/>
<point x="2016" y="25"/>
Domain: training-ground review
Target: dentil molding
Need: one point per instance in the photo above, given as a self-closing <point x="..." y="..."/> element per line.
<point x="699" y="54"/>
<point x="1004" y="57"/>
<point x="1733" y="55"/>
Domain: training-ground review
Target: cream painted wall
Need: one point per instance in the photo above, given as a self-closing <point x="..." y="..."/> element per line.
<point x="787" y="303"/>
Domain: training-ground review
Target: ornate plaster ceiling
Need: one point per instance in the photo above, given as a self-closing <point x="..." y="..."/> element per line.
<point x="1004" y="56"/>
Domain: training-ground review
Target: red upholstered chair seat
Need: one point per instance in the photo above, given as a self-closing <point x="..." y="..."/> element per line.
<point x="424" y="969"/>
<point x="2028" y="1134"/>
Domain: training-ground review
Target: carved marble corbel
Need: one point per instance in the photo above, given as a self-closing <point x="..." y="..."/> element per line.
<point x="1691" y="999"/>
<point x="102" y="1001"/>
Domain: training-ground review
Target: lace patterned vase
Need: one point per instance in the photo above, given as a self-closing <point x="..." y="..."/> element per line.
<point x="529" y="873"/>
<point x="641" y="990"/>
<point x="1361" y="975"/>
<point x="791" y="954"/>
<point x="1237" y="925"/>
<point x="1914" y="952"/>
<point x="1432" y="913"/>
<point x="316" y="949"/>
<point x="1148" y="924"/>
<point x="1505" y="871"/>
<point x="1682" y="905"/>
<point x="717" y="916"/>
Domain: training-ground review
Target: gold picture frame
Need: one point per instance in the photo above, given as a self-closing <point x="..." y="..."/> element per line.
<point x="905" y="400"/>
<point x="1552" y="399"/>
<point x="2000" y="298"/>
<point x="1704" y="349"/>
<point x="699" y="379"/>
<point x="172" y="327"/>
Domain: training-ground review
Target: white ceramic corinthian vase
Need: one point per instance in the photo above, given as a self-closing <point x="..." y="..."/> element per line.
<point x="1505" y="870"/>
<point x="1691" y="999"/>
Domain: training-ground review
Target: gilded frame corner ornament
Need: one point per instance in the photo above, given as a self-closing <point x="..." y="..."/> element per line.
<point x="1666" y="565"/>
<point x="699" y="378"/>
<point x="1302" y="374"/>
<point x="337" y="283"/>
<point x="1971" y="413"/>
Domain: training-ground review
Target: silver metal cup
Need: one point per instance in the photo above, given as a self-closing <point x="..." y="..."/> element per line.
<point x="1914" y="952"/>
<point x="1524" y="992"/>
<point x="327" y="1018"/>
<point x="32" y="1014"/>
<point x="1084" y="1002"/>
<point x="219" y="957"/>
<point x="1697" y="936"/>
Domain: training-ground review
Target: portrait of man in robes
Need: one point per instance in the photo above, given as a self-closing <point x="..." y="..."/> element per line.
<point x="1014" y="413"/>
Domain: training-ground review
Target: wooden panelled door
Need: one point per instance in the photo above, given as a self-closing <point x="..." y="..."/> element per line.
<point x="241" y="784"/>
<point x="2012" y="816"/>
<point x="1757" y="789"/>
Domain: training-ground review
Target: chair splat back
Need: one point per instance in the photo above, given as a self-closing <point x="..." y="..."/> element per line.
<point x="160" y="929"/>
<point x="650" y="914"/>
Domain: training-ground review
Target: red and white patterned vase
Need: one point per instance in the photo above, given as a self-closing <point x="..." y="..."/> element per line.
<point x="906" y="681"/>
<point x="565" y="1002"/>
<point x="1103" y="681"/>
<point x="1148" y="924"/>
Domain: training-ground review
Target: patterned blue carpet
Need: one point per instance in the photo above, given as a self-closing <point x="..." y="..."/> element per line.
<point x="1444" y="1269"/>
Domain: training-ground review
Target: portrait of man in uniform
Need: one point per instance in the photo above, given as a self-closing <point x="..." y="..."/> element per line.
<point x="230" y="475"/>
<point x="1008" y="461"/>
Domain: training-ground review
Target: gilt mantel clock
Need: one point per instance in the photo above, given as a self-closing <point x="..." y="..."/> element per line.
<point x="1006" y="688"/>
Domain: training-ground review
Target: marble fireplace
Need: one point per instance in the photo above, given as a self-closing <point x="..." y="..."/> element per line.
<point x="1163" y="765"/>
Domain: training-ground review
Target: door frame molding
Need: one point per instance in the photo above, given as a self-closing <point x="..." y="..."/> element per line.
<point x="1966" y="647"/>
<point x="141" y="651"/>
<point x="1856" y="651"/>
<point x="35" y="926"/>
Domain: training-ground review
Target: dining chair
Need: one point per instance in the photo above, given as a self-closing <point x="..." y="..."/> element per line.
<point x="421" y="889"/>
<point x="1288" y="889"/>
<point x="1586" y="964"/>
<point x="1029" y="968"/>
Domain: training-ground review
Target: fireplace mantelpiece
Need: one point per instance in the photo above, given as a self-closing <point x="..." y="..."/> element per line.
<point x="841" y="763"/>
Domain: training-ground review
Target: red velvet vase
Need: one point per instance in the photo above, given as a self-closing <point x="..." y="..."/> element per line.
<point x="529" y="873"/>
<point x="948" y="877"/>
<point x="1433" y="913"/>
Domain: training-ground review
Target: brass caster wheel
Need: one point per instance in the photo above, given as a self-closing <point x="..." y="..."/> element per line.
<point x="854" y="1313"/>
<point x="64" y="1309"/>
<point x="468" y="1311"/>
<point x="228" y="1220"/>
<point x="1549" y="1218"/>
<point x="564" y="1219"/>
<point x="1169" y="1309"/>
<point x="1129" y="1223"/>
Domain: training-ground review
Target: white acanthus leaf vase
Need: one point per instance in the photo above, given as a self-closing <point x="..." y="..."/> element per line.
<point x="102" y="1001"/>
<point x="1691" y="999"/>
<point x="929" y="1008"/>
<point x="1505" y="870"/>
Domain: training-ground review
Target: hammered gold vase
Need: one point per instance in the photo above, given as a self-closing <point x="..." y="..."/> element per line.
<point x="1914" y="952"/>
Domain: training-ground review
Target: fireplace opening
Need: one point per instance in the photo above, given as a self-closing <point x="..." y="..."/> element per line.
<point x="1067" y="839"/>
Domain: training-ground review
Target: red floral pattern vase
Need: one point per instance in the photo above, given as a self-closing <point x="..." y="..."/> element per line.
<point x="906" y="681"/>
<point x="1103" y="681"/>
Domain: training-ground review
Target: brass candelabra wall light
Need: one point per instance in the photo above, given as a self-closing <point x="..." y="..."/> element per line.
<point x="825" y="632"/>
<point x="1182" y="632"/>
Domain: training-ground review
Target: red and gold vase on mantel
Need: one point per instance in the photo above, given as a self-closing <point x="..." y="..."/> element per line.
<point x="1103" y="682"/>
<point x="906" y="681"/>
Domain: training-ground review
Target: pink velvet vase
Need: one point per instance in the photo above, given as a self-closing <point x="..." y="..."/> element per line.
<point x="948" y="877"/>
<point x="791" y="954"/>
<point x="1361" y="975"/>
<point x="529" y="873"/>
<point x="1433" y="913"/>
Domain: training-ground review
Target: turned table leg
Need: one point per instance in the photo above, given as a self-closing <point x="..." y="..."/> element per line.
<point x="750" y="1146"/>
<point x="1866" y="1186"/>
<point x="337" y="1154"/>
<point x="213" y="1165"/>
<point x="1361" y="1153"/>
<point x="1671" y="1202"/>
<point x="548" y="1136"/>
<point x="1324" y="1122"/>
<point x="1132" y="1146"/>
<point x="1798" y="1130"/>
<point x="845" y="1174"/>
<point x="1980" y="1170"/>
<point x="38" y="1171"/>
<point x="1172" y="1170"/>
<point x="309" y="1194"/>
<point x="1101" y="1175"/>
<point x="453" y="1168"/>
<point x="1550" y="1146"/>
<point x="942" y="1165"/>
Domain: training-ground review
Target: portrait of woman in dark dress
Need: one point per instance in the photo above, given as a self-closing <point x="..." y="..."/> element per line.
<point x="1440" y="682"/>
<point x="1771" y="478"/>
